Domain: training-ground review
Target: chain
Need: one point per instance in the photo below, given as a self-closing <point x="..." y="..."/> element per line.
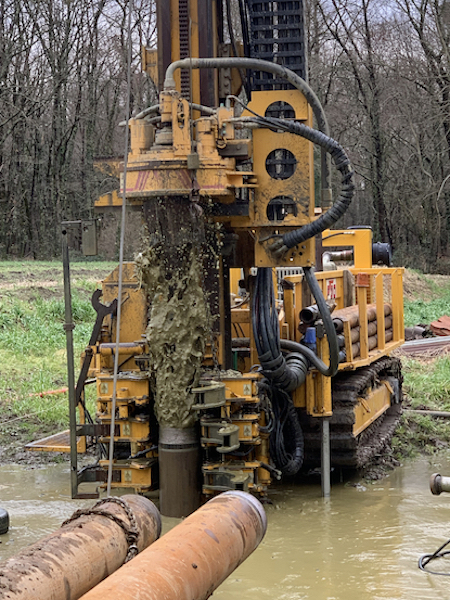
<point x="131" y="531"/>
<point x="215" y="358"/>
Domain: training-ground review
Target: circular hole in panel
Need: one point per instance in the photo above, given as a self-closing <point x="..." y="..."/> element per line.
<point x="281" y="164"/>
<point x="280" y="110"/>
<point x="280" y="207"/>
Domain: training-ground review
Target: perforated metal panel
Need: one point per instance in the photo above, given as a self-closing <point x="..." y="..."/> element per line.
<point x="183" y="8"/>
<point x="277" y="34"/>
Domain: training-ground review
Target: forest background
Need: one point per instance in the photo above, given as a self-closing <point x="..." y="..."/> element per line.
<point x="380" y="69"/>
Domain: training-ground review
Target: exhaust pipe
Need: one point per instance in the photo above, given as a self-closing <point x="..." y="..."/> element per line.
<point x="191" y="561"/>
<point x="88" y="547"/>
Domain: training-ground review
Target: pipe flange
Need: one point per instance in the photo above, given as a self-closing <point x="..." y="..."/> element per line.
<point x="436" y="484"/>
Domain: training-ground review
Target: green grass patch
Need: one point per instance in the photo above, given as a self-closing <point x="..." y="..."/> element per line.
<point x="33" y="341"/>
<point x="423" y="312"/>
<point x="430" y="303"/>
<point x="427" y="383"/>
<point x="426" y="387"/>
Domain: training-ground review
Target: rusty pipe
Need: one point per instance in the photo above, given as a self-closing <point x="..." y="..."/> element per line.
<point x="69" y="562"/>
<point x="372" y="342"/>
<point x="372" y="329"/>
<point x="351" y="314"/>
<point x="439" y="484"/>
<point x="191" y="560"/>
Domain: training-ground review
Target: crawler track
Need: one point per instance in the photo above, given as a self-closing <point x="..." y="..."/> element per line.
<point x="346" y="449"/>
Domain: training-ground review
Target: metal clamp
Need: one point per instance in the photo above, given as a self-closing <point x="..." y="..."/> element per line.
<point x="225" y="435"/>
<point x="211" y="394"/>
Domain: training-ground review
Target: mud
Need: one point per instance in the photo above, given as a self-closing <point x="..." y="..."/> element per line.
<point x="178" y="329"/>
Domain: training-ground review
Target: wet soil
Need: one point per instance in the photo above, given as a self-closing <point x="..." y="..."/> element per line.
<point x="15" y="434"/>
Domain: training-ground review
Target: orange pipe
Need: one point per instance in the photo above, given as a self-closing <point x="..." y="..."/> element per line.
<point x="49" y="392"/>
<point x="70" y="561"/>
<point x="191" y="561"/>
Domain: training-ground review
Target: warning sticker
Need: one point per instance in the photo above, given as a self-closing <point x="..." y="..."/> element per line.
<point x="331" y="289"/>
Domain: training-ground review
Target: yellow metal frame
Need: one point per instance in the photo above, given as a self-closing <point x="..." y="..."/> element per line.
<point x="376" y="276"/>
<point x="136" y="475"/>
<point x="377" y="289"/>
<point x="372" y="406"/>
<point x="359" y="239"/>
<point x="299" y="186"/>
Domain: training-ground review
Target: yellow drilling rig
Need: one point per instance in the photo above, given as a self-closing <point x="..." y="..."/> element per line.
<point x="244" y="354"/>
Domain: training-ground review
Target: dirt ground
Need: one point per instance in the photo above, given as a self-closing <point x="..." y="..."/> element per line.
<point x="416" y="285"/>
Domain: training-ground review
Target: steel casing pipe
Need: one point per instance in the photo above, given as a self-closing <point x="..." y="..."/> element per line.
<point x="69" y="562"/>
<point x="179" y="471"/>
<point x="191" y="561"/>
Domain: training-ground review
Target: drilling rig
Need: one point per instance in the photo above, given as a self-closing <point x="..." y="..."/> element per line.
<point x="241" y="359"/>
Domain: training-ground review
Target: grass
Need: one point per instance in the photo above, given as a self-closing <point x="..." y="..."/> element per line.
<point x="424" y="312"/>
<point x="426" y="382"/>
<point x="426" y="386"/>
<point x="432" y="302"/>
<point x="32" y="338"/>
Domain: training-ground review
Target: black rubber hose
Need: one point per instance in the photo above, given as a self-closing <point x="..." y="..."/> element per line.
<point x="286" y="441"/>
<point x="287" y="373"/>
<point x="426" y="558"/>
<point x="324" y="310"/>
<point x="283" y="243"/>
<point x="333" y="342"/>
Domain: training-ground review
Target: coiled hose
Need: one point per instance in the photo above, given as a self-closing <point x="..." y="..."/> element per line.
<point x="283" y="375"/>
<point x="287" y="448"/>
<point x="286" y="373"/>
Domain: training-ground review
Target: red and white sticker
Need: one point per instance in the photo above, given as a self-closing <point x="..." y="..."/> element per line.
<point x="331" y="289"/>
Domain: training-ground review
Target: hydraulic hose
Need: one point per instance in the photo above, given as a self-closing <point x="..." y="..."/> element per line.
<point x="284" y="242"/>
<point x="286" y="373"/>
<point x="286" y="436"/>
<point x="268" y="67"/>
<point x="286" y="441"/>
<point x="333" y="343"/>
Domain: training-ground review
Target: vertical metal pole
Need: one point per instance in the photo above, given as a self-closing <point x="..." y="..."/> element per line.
<point x="69" y="327"/>
<point x="325" y="458"/>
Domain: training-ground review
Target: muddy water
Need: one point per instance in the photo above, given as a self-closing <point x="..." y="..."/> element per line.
<point x="362" y="544"/>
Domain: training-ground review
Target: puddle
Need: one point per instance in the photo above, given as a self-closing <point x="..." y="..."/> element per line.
<point x="364" y="543"/>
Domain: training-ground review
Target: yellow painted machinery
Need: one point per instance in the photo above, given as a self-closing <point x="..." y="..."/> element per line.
<point x="238" y="361"/>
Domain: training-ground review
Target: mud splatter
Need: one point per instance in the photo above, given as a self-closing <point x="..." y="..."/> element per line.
<point x="178" y="329"/>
